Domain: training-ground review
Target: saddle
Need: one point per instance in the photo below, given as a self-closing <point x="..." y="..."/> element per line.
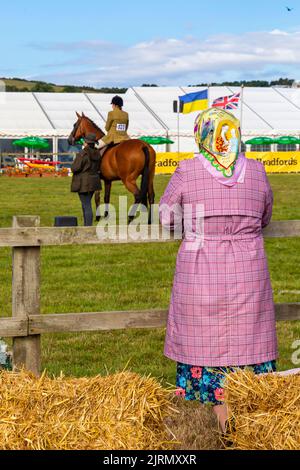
<point x="103" y="150"/>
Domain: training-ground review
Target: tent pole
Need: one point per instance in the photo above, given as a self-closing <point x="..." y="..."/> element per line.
<point x="241" y="114"/>
<point x="55" y="149"/>
<point x="178" y="112"/>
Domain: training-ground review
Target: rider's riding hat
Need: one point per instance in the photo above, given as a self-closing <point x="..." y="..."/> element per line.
<point x="117" y="101"/>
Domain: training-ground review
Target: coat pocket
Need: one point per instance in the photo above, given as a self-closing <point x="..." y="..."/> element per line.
<point x="75" y="185"/>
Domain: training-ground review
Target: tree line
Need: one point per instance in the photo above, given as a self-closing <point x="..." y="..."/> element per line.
<point x="252" y="83"/>
<point x="39" y="86"/>
<point x="44" y="87"/>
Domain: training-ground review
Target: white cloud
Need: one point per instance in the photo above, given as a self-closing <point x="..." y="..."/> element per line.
<point x="278" y="32"/>
<point x="178" y="61"/>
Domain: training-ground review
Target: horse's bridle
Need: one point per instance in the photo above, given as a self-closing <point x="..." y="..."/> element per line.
<point x="75" y="129"/>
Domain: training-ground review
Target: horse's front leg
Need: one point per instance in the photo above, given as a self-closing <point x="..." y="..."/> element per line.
<point x="97" y="201"/>
<point x="107" y="197"/>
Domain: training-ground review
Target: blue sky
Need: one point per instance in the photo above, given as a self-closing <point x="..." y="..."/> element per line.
<point x="165" y="42"/>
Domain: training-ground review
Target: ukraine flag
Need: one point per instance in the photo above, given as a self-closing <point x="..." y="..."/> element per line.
<point x="194" y="102"/>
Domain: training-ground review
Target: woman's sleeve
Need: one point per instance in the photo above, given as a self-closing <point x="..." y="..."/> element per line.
<point x="268" y="204"/>
<point x="109" y="122"/>
<point x="170" y="206"/>
<point x="77" y="164"/>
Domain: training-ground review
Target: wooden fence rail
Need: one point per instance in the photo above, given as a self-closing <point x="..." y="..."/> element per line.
<point x="105" y="321"/>
<point x="27" y="324"/>
<point x="51" y="236"/>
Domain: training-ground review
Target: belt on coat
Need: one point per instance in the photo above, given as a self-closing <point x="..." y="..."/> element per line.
<point x="222" y="237"/>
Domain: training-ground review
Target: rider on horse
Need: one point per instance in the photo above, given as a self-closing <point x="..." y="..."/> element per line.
<point x="126" y="161"/>
<point x="116" y="125"/>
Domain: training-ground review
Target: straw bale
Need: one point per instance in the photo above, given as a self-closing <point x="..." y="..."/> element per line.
<point x="117" y="412"/>
<point x="264" y="410"/>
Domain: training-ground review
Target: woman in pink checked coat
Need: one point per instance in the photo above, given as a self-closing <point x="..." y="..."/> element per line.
<point x="221" y="314"/>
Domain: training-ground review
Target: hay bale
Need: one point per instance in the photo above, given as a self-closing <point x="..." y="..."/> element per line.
<point x="264" y="410"/>
<point x="118" y="412"/>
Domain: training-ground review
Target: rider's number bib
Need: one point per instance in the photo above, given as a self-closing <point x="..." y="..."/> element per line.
<point x="121" y="127"/>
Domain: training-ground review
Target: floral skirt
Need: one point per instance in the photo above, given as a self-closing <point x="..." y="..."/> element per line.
<point x="206" y="384"/>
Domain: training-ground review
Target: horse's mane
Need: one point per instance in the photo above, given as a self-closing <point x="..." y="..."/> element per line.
<point x="94" y="124"/>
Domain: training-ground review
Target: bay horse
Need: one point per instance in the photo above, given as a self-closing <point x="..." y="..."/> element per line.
<point x="126" y="162"/>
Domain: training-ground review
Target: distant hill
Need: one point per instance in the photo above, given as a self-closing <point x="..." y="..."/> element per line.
<point x="22" y="85"/>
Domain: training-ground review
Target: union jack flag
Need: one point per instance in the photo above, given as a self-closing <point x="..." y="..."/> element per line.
<point x="227" y="102"/>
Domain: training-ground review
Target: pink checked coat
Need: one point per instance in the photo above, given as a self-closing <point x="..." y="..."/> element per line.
<point x="221" y="311"/>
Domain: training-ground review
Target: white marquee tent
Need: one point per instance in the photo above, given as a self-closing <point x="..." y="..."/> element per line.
<point x="265" y="111"/>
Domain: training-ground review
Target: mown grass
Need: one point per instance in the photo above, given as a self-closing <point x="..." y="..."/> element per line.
<point x="121" y="277"/>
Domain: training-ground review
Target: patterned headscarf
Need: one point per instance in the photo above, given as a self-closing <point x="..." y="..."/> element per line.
<point x="218" y="136"/>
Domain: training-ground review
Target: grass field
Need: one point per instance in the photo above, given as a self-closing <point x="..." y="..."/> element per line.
<point x="95" y="278"/>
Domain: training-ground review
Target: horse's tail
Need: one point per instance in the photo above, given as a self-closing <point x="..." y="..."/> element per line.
<point x="145" y="177"/>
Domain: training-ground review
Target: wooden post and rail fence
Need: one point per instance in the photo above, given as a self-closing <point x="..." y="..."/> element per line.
<point x="27" y="324"/>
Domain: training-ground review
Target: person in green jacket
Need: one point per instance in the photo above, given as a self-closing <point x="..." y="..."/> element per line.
<point x="86" y="176"/>
<point x="116" y="125"/>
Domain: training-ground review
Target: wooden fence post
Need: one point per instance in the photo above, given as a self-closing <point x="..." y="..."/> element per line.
<point x="26" y="297"/>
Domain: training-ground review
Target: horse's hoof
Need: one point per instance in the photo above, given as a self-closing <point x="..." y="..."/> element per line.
<point x="106" y="215"/>
<point x="98" y="218"/>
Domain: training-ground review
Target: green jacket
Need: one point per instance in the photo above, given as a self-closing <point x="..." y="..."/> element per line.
<point x="86" y="168"/>
<point x="116" y="126"/>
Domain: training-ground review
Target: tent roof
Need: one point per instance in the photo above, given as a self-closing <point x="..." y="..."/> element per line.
<point x="266" y="111"/>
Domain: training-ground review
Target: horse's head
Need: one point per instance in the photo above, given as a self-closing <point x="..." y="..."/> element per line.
<point x="82" y="127"/>
<point x="77" y="132"/>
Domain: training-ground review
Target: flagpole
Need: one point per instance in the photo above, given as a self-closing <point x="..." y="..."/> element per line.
<point x="178" y="112"/>
<point x="241" y="113"/>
